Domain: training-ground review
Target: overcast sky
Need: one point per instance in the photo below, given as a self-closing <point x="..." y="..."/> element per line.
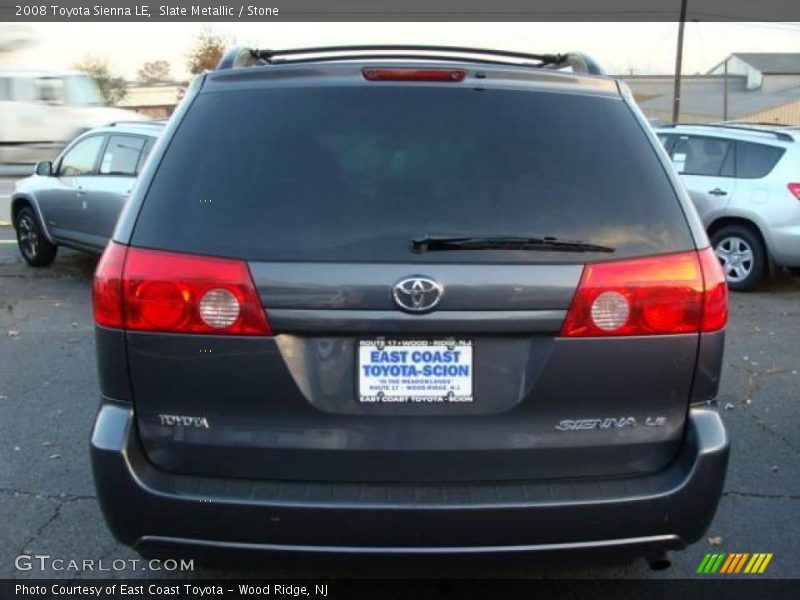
<point x="619" y="47"/>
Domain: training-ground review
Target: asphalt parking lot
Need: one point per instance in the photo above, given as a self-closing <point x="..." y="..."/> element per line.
<point x="48" y="396"/>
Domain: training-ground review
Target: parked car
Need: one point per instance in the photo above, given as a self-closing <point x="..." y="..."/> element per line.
<point x="76" y="200"/>
<point x="415" y="304"/>
<point x="41" y="111"/>
<point x="745" y="182"/>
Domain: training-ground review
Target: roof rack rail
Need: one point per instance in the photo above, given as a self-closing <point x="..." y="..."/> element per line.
<point x="779" y="134"/>
<point x="753" y="123"/>
<point x="144" y="122"/>
<point x="239" y="56"/>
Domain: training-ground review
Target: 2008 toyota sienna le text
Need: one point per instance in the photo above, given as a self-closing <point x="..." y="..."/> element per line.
<point x="406" y="301"/>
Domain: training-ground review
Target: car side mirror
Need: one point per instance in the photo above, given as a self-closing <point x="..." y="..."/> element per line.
<point x="44" y="168"/>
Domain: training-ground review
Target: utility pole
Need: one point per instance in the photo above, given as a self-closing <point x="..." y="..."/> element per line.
<point x="676" y="94"/>
<point x="725" y="94"/>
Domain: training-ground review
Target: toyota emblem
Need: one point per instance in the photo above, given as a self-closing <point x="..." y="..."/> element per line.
<point x="417" y="294"/>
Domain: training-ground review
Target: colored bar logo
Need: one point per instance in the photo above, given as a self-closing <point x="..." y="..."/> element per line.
<point x="736" y="562"/>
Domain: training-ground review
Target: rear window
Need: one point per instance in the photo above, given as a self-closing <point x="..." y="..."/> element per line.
<point x="756" y="160"/>
<point x="354" y="173"/>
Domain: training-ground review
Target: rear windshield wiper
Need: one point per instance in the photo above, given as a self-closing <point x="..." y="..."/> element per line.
<point x="429" y="243"/>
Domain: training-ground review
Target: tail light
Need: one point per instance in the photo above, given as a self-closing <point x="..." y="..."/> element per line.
<point x="675" y="293"/>
<point x="442" y="75"/>
<point x="795" y="189"/>
<point x="150" y="290"/>
<point x="715" y="305"/>
<point x="107" y="287"/>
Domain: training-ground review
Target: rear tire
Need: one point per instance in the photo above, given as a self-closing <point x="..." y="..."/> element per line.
<point x="33" y="245"/>
<point x="742" y="255"/>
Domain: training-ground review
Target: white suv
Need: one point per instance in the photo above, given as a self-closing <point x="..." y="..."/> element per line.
<point x="745" y="182"/>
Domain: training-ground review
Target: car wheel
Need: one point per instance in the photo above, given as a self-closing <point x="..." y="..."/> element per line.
<point x="742" y="256"/>
<point x="33" y="245"/>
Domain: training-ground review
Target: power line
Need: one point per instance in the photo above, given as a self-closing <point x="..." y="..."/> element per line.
<point x="779" y="26"/>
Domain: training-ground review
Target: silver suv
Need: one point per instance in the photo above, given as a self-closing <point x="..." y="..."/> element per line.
<point x="76" y="200"/>
<point x="745" y="182"/>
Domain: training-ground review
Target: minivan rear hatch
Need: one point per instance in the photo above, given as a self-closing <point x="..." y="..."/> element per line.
<point x="337" y="193"/>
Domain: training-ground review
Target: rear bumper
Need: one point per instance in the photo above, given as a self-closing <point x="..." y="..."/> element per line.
<point x="784" y="245"/>
<point x="152" y="509"/>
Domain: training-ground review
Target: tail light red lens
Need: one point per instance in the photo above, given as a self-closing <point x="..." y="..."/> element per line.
<point x="107" y="287"/>
<point x="442" y="75"/>
<point x="150" y="290"/>
<point x="715" y="308"/>
<point x="795" y="189"/>
<point x="676" y="293"/>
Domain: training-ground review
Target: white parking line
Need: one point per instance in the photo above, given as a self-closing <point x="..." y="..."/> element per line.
<point x="8" y="241"/>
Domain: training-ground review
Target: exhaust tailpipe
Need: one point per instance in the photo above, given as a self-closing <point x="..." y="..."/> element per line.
<point x="659" y="562"/>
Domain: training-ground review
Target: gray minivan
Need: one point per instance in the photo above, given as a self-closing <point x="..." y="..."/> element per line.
<point x="405" y="300"/>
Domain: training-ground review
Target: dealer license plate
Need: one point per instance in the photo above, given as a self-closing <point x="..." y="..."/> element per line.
<point x="415" y="371"/>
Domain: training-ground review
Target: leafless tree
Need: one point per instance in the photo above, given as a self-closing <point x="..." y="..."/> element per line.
<point x="208" y="49"/>
<point x="154" y="71"/>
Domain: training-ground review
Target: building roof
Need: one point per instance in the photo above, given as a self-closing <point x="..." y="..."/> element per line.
<point x="656" y="85"/>
<point x="155" y="94"/>
<point x="707" y="101"/>
<point x="785" y="63"/>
